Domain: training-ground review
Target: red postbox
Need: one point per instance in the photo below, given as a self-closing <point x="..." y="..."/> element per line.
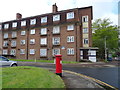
<point x="58" y="65"/>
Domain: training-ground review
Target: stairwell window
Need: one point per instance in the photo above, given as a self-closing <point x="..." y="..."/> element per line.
<point x="85" y="18"/>
<point x="14" y="34"/>
<point x="56" y="17"/>
<point x="85" y="30"/>
<point x="56" y="40"/>
<point x="13" y="43"/>
<point x="43" y="41"/>
<point x="23" y="23"/>
<point x="32" y="41"/>
<point x="43" y="31"/>
<point x="70" y="15"/>
<point x="22" y="42"/>
<point x="85" y="41"/>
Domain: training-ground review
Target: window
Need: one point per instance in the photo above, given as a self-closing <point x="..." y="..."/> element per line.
<point x="70" y="27"/>
<point x="85" y="30"/>
<point x="70" y="15"/>
<point x="14" y="34"/>
<point x="22" y="51"/>
<point x="43" y="52"/>
<point x="6" y="26"/>
<point x="85" y="18"/>
<point x="32" y="21"/>
<point x="13" y="43"/>
<point x="5" y="35"/>
<point x="56" y="51"/>
<point x="22" y="32"/>
<point x="70" y="38"/>
<point x="56" y="30"/>
<point x="85" y="41"/>
<point x="43" y="31"/>
<point x="13" y="52"/>
<point x="5" y="52"/>
<point x="14" y="24"/>
<point x="56" y="40"/>
<point x="44" y="20"/>
<point x="23" y="23"/>
<point x="32" y="31"/>
<point x="22" y="42"/>
<point x="70" y="51"/>
<point x="32" y="41"/>
<point x="5" y="43"/>
<point x="56" y="17"/>
<point x="32" y="51"/>
<point x="43" y="41"/>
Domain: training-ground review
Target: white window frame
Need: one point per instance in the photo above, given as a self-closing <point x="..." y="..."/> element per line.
<point x="6" y="26"/>
<point x="85" y="18"/>
<point x="5" y="35"/>
<point x="85" y="41"/>
<point x="43" y="52"/>
<point x="14" y="24"/>
<point x="56" y="40"/>
<point x="56" y="29"/>
<point x="32" y="51"/>
<point x="5" y="52"/>
<point x="22" y="51"/>
<point x="32" y="21"/>
<point x="23" y="23"/>
<point x="70" y="38"/>
<point x="43" y="31"/>
<point x="70" y="15"/>
<point x="56" y="50"/>
<point x="44" y="19"/>
<point x="85" y="30"/>
<point x="70" y="27"/>
<point x="32" y="31"/>
<point x="32" y="41"/>
<point x="13" y="43"/>
<point x="13" y="52"/>
<point x="14" y="34"/>
<point x="43" y="41"/>
<point x="70" y="51"/>
<point x="56" y="17"/>
<point x="23" y="32"/>
<point x="5" y="43"/>
<point x="22" y="42"/>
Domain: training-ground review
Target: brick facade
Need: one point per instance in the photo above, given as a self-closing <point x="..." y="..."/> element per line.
<point x="70" y="50"/>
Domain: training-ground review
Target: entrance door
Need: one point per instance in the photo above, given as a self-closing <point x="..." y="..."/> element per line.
<point x="85" y="54"/>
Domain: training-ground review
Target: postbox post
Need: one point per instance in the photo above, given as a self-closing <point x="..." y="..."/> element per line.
<point x="58" y="65"/>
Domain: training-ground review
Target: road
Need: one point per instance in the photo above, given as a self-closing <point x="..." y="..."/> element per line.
<point x="108" y="75"/>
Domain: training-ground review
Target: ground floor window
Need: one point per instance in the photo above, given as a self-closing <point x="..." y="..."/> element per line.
<point x="5" y="52"/>
<point x="32" y="51"/>
<point x="43" y="52"/>
<point x="56" y="51"/>
<point x="13" y="52"/>
<point x="70" y="51"/>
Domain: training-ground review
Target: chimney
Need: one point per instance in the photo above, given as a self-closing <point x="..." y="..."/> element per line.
<point x="18" y="16"/>
<point x="54" y="8"/>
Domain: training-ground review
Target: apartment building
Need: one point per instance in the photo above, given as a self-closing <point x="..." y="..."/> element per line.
<point x="41" y="37"/>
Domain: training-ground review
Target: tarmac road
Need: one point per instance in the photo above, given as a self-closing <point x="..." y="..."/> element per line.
<point x="107" y="74"/>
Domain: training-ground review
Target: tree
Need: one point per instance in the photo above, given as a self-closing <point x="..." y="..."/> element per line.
<point x="103" y="30"/>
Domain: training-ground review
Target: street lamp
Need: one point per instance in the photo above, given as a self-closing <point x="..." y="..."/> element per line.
<point x="105" y="49"/>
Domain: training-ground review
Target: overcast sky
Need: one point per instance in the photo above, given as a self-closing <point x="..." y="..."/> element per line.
<point x="101" y="8"/>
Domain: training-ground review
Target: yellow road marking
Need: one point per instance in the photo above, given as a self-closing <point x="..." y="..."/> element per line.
<point x="98" y="81"/>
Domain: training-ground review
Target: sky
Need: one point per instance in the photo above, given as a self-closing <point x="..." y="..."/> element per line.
<point x="101" y="8"/>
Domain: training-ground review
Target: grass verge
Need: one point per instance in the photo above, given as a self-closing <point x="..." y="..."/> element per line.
<point x="29" y="77"/>
<point x="46" y="61"/>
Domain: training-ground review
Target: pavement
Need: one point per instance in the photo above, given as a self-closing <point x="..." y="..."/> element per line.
<point x="75" y="80"/>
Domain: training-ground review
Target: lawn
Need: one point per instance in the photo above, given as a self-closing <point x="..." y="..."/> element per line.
<point x="30" y="77"/>
<point x="46" y="61"/>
